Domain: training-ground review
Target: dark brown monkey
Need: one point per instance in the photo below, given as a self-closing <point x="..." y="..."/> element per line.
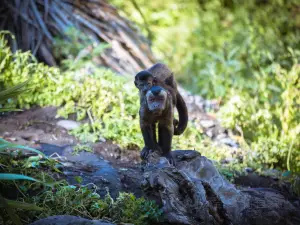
<point x="160" y="75"/>
<point x="157" y="108"/>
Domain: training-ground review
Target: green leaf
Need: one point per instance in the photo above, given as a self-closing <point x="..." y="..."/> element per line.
<point x="13" y="91"/>
<point x="13" y="216"/>
<point x="21" y="205"/>
<point x="286" y="173"/>
<point x="5" y="144"/>
<point x="12" y="176"/>
<point x="10" y="110"/>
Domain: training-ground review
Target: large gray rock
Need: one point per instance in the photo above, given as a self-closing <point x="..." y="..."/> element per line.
<point x="69" y="220"/>
<point x="195" y="193"/>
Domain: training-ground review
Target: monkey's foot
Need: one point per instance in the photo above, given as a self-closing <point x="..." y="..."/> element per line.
<point x="145" y="152"/>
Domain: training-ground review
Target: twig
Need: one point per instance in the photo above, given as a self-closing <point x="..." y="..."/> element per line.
<point x="289" y="155"/>
<point x="91" y="118"/>
<point x="150" y="35"/>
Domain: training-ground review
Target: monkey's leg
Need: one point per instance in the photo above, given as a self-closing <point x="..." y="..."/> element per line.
<point x="154" y="133"/>
<point x="165" y="135"/>
<point x="149" y="139"/>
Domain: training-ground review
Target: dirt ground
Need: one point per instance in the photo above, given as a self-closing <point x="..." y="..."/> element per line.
<point x="107" y="166"/>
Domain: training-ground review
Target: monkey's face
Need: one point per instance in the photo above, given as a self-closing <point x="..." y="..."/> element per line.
<point x="143" y="81"/>
<point x="156" y="99"/>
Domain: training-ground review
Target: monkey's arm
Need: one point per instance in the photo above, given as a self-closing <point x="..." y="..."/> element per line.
<point x="183" y="115"/>
<point x="148" y="131"/>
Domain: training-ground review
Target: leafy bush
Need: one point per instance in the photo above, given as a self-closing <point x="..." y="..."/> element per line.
<point x="269" y="120"/>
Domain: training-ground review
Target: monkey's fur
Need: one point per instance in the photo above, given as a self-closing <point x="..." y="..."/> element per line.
<point x="157" y="108"/>
<point x="160" y="75"/>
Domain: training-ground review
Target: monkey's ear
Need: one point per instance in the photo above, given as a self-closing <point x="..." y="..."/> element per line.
<point x="135" y="83"/>
<point x="170" y="80"/>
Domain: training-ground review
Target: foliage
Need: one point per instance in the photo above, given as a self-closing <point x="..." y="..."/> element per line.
<point x="238" y="54"/>
<point x="269" y="121"/>
<point x="227" y="40"/>
<point x="109" y="101"/>
<point x="79" y="148"/>
<point x="72" y="200"/>
<point x="57" y="198"/>
<point x="11" y="205"/>
<point x="9" y="93"/>
<point x="80" y="48"/>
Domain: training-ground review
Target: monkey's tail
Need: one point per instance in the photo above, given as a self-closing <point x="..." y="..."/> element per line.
<point x="183" y="115"/>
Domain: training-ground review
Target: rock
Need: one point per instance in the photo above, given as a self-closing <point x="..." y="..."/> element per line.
<point x="69" y="220"/>
<point x="229" y="141"/>
<point x="7" y="134"/>
<point x="248" y="170"/>
<point x="194" y="192"/>
<point x="30" y="137"/>
<point x="68" y="124"/>
<point x="207" y="123"/>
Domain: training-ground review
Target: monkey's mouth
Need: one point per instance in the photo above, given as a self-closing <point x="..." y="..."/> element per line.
<point x="156" y="112"/>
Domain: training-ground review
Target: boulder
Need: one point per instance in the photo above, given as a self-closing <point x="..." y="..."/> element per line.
<point x="194" y="192"/>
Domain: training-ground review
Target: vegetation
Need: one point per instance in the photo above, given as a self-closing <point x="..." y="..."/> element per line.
<point x="109" y="101"/>
<point x="47" y="197"/>
<point x="233" y="51"/>
<point x="228" y="50"/>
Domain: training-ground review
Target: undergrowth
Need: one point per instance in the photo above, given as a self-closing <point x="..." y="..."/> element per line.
<point x="60" y="198"/>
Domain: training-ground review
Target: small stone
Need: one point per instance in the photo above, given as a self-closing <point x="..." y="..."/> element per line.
<point x="248" y="170"/>
<point x="6" y="134"/>
<point x="229" y="142"/>
<point x="101" y="139"/>
<point x="68" y="124"/>
<point x="12" y="139"/>
<point x="207" y="123"/>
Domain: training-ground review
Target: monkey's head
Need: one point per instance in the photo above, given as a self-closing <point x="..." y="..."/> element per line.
<point x="144" y="81"/>
<point x="156" y="99"/>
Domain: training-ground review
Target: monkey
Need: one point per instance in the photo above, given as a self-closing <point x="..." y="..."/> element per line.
<point x="159" y="74"/>
<point x="156" y="107"/>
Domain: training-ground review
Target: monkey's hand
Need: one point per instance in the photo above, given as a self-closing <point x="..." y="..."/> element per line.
<point x="170" y="158"/>
<point x="144" y="153"/>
